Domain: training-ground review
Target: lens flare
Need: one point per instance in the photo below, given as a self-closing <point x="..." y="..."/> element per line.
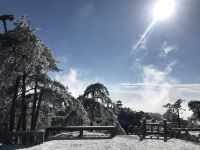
<point x="163" y="9"/>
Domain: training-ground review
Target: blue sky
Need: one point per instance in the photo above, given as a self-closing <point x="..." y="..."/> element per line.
<point x="93" y="39"/>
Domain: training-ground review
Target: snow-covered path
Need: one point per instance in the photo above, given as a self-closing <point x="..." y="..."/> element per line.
<point x="120" y="142"/>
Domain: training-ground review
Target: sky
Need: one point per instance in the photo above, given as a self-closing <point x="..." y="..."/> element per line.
<point x="94" y="41"/>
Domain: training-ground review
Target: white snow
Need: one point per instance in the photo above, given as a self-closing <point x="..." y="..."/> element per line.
<point x="195" y="133"/>
<point x="98" y="141"/>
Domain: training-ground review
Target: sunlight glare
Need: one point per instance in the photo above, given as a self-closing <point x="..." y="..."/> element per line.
<point x="163" y="9"/>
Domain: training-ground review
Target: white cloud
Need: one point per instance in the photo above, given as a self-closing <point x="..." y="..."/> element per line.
<point x="152" y="92"/>
<point x="73" y="80"/>
<point x="155" y="89"/>
<point x="170" y="67"/>
<point x="76" y="80"/>
<point x="166" y="48"/>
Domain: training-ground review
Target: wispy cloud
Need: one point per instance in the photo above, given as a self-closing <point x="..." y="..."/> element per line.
<point x="156" y="88"/>
<point x="150" y="94"/>
<point x="166" y="48"/>
<point x="72" y="79"/>
<point x="141" y="42"/>
<point x="77" y="80"/>
<point x="170" y="66"/>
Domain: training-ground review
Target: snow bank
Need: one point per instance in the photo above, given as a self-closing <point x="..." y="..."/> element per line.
<point x="98" y="141"/>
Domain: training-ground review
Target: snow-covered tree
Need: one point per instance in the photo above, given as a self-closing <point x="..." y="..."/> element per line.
<point x="61" y="107"/>
<point x="98" y="92"/>
<point x="195" y="107"/>
<point x="175" y="108"/>
<point x="23" y="56"/>
<point x="100" y="108"/>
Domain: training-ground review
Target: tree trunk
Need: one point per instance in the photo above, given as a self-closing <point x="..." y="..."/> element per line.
<point x="179" y="121"/>
<point x="92" y="118"/>
<point x="24" y="102"/>
<point x="199" y="115"/>
<point x="38" y="109"/>
<point x="5" y="27"/>
<point x="34" y="105"/>
<point x="12" y="110"/>
<point x="93" y="94"/>
<point x="19" y="123"/>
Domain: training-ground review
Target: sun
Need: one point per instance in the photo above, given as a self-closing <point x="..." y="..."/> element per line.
<point x="163" y="9"/>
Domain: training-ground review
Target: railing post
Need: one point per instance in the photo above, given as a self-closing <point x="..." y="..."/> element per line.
<point x="113" y="131"/>
<point x="199" y="137"/>
<point x="165" y="129"/>
<point x="144" y="127"/>
<point x="172" y="134"/>
<point x="81" y="133"/>
<point x="187" y="134"/>
<point x="46" y="135"/>
<point x="43" y="137"/>
<point x="151" y="128"/>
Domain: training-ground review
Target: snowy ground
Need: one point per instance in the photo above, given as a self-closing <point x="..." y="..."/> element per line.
<point x="97" y="141"/>
<point x="196" y="133"/>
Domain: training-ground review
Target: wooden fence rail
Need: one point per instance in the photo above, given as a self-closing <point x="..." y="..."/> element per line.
<point x="19" y="137"/>
<point x="163" y="130"/>
<point x="153" y="128"/>
<point x="24" y="137"/>
<point x="49" y="130"/>
<point x="36" y="137"/>
<point x="183" y="133"/>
